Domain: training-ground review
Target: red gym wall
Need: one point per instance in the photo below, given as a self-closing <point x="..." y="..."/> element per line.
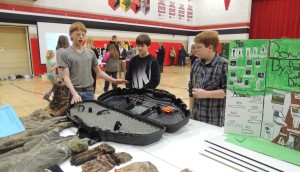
<point x="39" y="68"/>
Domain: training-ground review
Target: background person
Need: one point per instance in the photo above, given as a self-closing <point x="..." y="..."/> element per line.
<point x="90" y="45"/>
<point x="51" y="66"/>
<point x="161" y="57"/>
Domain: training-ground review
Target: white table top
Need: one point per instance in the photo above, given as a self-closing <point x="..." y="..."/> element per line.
<point x="180" y="150"/>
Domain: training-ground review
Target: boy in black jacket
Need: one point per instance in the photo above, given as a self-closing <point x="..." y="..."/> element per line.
<point x="143" y="70"/>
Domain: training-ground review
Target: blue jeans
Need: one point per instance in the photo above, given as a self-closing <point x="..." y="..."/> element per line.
<point x="85" y="95"/>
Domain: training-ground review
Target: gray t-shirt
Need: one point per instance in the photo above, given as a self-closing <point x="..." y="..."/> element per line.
<point x="80" y="66"/>
<point x="58" y="56"/>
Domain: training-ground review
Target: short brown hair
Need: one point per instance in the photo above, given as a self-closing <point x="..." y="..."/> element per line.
<point x="113" y="37"/>
<point x="77" y="26"/>
<point x="143" y="39"/>
<point x="208" y="38"/>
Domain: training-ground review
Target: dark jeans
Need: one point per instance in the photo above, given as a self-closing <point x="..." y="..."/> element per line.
<point x="172" y="61"/>
<point x="161" y="68"/>
<point x="106" y="84"/>
<point x="181" y="61"/>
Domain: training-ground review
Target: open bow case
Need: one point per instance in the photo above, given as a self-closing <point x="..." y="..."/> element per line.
<point x="108" y="123"/>
<point x="158" y="105"/>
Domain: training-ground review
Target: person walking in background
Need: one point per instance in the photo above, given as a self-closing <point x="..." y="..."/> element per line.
<point x="103" y="50"/>
<point x="113" y="41"/>
<point x="90" y="45"/>
<point x="193" y="56"/>
<point x="181" y="54"/>
<point x="208" y="81"/>
<point x="161" y="57"/>
<point x="111" y="66"/>
<point x="143" y="69"/>
<point x="62" y="43"/>
<point x="131" y="52"/>
<point x="122" y="61"/>
<point x="50" y="72"/>
<point x="76" y="63"/>
<point x="172" y="55"/>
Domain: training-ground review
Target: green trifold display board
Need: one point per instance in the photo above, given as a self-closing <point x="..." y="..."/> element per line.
<point x="263" y="90"/>
<point x="265" y="147"/>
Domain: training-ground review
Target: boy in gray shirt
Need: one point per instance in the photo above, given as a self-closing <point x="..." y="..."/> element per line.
<point x="76" y="63"/>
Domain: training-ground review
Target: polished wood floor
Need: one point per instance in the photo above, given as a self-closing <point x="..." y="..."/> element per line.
<point x="26" y="95"/>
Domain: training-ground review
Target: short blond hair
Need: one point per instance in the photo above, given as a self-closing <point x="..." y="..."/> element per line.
<point x="77" y="26"/>
<point x="49" y="54"/>
<point x="208" y="38"/>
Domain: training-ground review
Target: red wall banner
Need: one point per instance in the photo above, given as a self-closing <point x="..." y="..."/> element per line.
<point x="38" y="68"/>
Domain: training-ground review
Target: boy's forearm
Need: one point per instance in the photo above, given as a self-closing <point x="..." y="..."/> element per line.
<point x="69" y="84"/>
<point x="102" y="74"/>
<point x="216" y="94"/>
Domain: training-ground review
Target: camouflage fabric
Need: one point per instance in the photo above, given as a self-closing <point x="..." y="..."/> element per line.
<point x="42" y="117"/>
<point x="92" y="154"/>
<point x="18" y="140"/>
<point x="138" y="167"/>
<point x="36" y="124"/>
<point x="60" y="101"/>
<point x="42" y="152"/>
<point x="106" y="162"/>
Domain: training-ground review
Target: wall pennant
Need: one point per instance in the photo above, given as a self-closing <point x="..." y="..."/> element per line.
<point x="226" y="2"/>
<point x="189" y="14"/>
<point x="161" y="10"/>
<point x="172" y="10"/>
<point x="114" y="4"/>
<point x="125" y="5"/>
<point x="145" y="6"/>
<point x="181" y="12"/>
<point x="135" y="6"/>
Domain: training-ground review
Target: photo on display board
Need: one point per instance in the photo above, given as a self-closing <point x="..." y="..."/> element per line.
<point x="278" y="99"/>
<point x="249" y="62"/>
<point x="233" y="63"/>
<point x="246" y="82"/>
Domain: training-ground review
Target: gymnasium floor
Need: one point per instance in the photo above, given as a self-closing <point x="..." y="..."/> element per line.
<point x="26" y="95"/>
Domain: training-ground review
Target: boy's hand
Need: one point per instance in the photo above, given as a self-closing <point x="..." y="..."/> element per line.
<point x="120" y="81"/>
<point x="199" y="93"/>
<point x="76" y="98"/>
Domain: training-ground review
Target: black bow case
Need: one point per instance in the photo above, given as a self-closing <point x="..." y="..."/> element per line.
<point x="103" y="122"/>
<point x="158" y="105"/>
